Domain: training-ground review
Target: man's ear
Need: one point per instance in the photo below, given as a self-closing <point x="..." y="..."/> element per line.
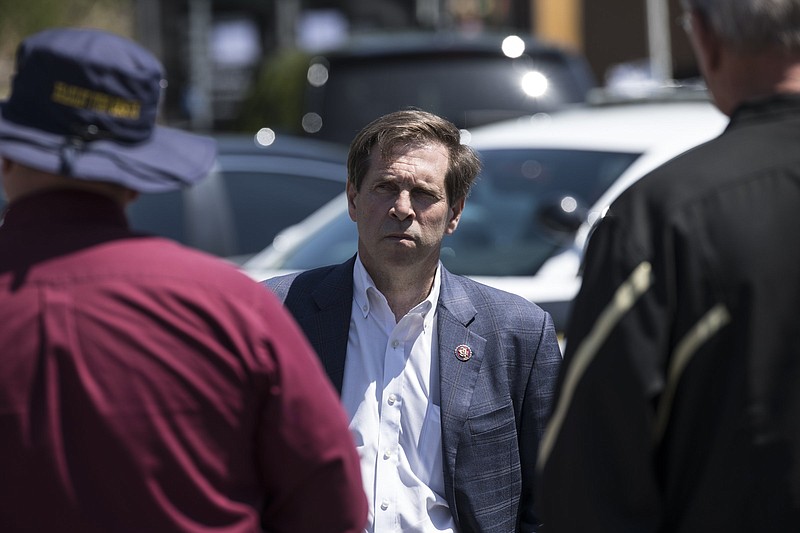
<point x="455" y="215"/>
<point x="351" y="200"/>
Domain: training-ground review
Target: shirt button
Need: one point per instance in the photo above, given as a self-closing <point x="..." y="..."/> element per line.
<point x="384" y="505"/>
<point x="392" y="399"/>
<point x="394" y="344"/>
<point x="387" y="454"/>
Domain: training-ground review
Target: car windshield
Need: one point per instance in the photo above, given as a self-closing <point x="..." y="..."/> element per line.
<point x="500" y="233"/>
<point x="469" y="91"/>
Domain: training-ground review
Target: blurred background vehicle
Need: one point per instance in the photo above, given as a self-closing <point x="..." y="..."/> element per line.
<point x="217" y="52"/>
<point x="260" y="188"/>
<point x="260" y="185"/>
<point x="468" y="78"/>
<point x="546" y="179"/>
<point x="214" y="50"/>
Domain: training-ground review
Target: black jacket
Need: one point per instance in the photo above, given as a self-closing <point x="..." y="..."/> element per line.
<point x="679" y="404"/>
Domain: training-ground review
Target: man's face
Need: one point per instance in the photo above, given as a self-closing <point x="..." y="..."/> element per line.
<point x="402" y="211"/>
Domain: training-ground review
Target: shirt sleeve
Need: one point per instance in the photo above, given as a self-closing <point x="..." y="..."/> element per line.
<point x="596" y="460"/>
<point x="308" y="460"/>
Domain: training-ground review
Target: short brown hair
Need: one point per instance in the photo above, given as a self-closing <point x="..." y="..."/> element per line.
<point x="414" y="126"/>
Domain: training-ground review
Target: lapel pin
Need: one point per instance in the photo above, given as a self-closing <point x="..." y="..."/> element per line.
<point x="463" y="352"/>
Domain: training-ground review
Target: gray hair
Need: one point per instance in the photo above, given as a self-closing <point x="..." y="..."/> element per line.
<point x="752" y="25"/>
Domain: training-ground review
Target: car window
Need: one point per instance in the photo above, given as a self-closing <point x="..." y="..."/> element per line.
<point x="333" y="243"/>
<point x="160" y="214"/>
<point x="530" y="175"/>
<point x="470" y="90"/>
<point x="233" y="213"/>
<point x="264" y="203"/>
<point x="499" y="233"/>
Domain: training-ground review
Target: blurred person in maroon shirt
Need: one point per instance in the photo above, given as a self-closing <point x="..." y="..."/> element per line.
<point x="144" y="386"/>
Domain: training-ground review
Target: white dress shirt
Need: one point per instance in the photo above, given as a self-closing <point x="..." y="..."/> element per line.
<point x="391" y="394"/>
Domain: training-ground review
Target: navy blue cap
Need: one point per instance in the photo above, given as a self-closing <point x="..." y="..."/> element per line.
<point x="84" y="104"/>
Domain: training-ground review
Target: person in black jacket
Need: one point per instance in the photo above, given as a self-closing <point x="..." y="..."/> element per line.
<point x="679" y="403"/>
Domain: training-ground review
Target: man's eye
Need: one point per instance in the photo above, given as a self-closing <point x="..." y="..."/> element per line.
<point x="425" y="194"/>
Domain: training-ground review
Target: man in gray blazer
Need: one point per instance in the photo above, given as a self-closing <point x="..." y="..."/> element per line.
<point x="448" y="383"/>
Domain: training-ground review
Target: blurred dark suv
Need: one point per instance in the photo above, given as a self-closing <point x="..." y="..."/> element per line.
<point x="471" y="79"/>
<point x="255" y="190"/>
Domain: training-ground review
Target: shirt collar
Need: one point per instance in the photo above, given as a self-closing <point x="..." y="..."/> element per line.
<point x="765" y="108"/>
<point x="363" y="286"/>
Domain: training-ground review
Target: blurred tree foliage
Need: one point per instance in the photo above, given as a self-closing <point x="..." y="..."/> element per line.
<point x="20" y="18"/>
<point x="276" y="97"/>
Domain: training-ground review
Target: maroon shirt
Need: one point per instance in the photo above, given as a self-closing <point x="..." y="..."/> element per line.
<point x="148" y="387"/>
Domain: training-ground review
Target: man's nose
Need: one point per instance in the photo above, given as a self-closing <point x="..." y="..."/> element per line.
<point x="402" y="207"/>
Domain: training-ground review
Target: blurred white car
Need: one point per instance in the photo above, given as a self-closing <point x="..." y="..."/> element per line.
<point x="546" y="178"/>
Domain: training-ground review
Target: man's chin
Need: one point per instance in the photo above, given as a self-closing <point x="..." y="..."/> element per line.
<point x="406" y="254"/>
<point x="399" y="249"/>
<point x="398" y="245"/>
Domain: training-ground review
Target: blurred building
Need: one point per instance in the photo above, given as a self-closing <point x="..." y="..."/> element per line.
<point x="213" y="48"/>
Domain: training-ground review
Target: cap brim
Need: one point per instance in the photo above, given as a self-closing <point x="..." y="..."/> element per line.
<point x="168" y="160"/>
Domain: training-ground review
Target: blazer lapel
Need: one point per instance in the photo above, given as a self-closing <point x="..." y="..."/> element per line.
<point x="457" y="376"/>
<point x="327" y="326"/>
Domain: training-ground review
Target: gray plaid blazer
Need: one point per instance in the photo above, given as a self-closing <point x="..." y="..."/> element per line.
<point x="494" y="405"/>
